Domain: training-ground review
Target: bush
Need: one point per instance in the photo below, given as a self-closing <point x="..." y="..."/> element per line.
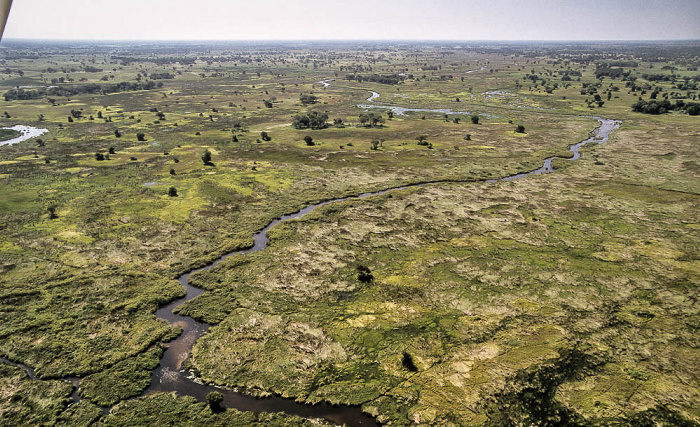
<point x="206" y="157"/>
<point x="309" y="141"/>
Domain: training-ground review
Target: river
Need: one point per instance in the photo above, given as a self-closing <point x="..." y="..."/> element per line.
<point x="169" y="376"/>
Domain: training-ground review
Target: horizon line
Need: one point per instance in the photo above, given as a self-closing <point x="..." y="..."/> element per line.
<point x="351" y="40"/>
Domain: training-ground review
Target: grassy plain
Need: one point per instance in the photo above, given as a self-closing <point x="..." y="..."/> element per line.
<point x="569" y="297"/>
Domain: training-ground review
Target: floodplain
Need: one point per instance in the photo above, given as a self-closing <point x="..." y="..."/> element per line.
<point x="450" y="297"/>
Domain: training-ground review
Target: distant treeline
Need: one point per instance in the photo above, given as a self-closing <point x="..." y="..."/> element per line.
<point x="90" y="88"/>
<point x="376" y="78"/>
<point x="662" y="107"/>
<point x="603" y="70"/>
<point x="164" y="60"/>
<point x="161" y="76"/>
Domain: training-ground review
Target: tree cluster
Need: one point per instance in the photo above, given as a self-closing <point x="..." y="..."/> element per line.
<point x="392" y="79"/>
<point x="662" y="107"/>
<point x="90" y="88"/>
<point x="313" y="120"/>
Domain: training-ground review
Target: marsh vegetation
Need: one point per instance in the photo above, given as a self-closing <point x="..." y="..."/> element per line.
<point x="565" y="298"/>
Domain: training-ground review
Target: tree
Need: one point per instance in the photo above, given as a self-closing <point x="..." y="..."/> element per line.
<point x="52" y="212"/>
<point x="117" y="134"/>
<point x="364" y="275"/>
<point x="313" y="120"/>
<point x="172" y="171"/>
<point x="307" y="98"/>
<point x="475" y="119"/>
<point x="206" y="157"/>
<point x="99" y="157"/>
<point x="111" y="150"/>
<point x="520" y="129"/>
<point x="172" y="192"/>
<point x="309" y="141"/>
<point x="214" y="399"/>
<point x="141" y="136"/>
<point x="468" y="137"/>
<point x="375" y="144"/>
<point x="422" y="140"/>
<point x="265" y="136"/>
<point x="268" y="103"/>
<point x="338" y="122"/>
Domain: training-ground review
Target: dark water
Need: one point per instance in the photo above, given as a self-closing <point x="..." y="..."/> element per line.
<point x="169" y="376"/>
<point x="600" y="135"/>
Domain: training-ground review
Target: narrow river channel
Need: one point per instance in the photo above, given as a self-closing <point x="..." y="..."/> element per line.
<point x="169" y="376"/>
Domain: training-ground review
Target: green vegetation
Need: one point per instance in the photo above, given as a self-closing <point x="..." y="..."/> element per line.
<point x="568" y="296"/>
<point x="6" y="134"/>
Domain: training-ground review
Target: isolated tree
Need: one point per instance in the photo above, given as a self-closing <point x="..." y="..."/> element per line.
<point x="172" y="192"/>
<point x="41" y="117"/>
<point x="117" y="134"/>
<point x="70" y="119"/>
<point x="141" y="136"/>
<point x="375" y="144"/>
<point x="99" y="156"/>
<point x="309" y="140"/>
<point x="475" y="119"/>
<point x="468" y="137"/>
<point x="214" y="399"/>
<point x="422" y="140"/>
<point x="206" y="157"/>
<point x="99" y="114"/>
<point x="111" y="150"/>
<point x="265" y="136"/>
<point x="172" y="171"/>
<point x="52" y="212"/>
<point x="307" y="98"/>
<point x="268" y="103"/>
<point x="338" y="122"/>
<point x="520" y="129"/>
<point x="234" y="139"/>
<point x="364" y="274"/>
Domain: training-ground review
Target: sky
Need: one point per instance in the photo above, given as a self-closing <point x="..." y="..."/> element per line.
<point x="355" y="19"/>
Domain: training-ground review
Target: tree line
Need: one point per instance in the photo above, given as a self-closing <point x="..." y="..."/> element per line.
<point x="90" y="88"/>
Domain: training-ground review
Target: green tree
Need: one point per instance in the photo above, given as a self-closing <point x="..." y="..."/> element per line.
<point x="475" y="119"/>
<point x="172" y="192"/>
<point x="307" y="98"/>
<point x="265" y="136"/>
<point x="206" y="157"/>
<point x="520" y="129"/>
<point x="309" y="140"/>
<point x="141" y="136"/>
<point x="214" y="399"/>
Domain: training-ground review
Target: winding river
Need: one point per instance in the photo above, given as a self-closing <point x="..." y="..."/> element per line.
<point x="26" y="132"/>
<point x="169" y="376"/>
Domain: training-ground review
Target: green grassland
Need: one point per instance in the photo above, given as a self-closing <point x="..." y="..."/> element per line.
<point x="570" y="296"/>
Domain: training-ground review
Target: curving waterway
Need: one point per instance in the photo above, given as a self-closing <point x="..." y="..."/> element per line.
<point x="169" y="375"/>
<point x="26" y="132"/>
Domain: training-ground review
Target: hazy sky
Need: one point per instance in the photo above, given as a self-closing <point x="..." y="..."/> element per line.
<point x="355" y="19"/>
